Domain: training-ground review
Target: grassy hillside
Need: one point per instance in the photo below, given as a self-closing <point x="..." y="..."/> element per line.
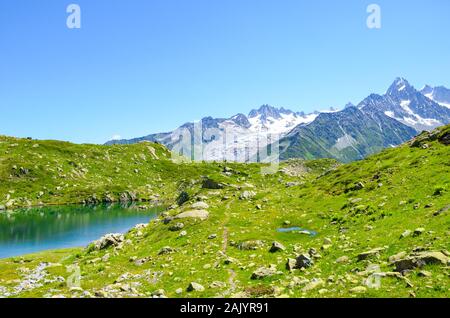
<point x="373" y="228"/>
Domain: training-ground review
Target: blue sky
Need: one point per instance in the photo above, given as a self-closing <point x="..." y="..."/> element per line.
<point x="143" y="66"/>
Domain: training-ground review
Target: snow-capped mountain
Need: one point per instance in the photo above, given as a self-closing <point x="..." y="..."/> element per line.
<point x="237" y="138"/>
<point x="409" y="106"/>
<point x="352" y="133"/>
<point x="438" y="94"/>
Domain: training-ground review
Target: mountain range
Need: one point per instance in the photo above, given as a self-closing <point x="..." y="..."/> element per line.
<point x="377" y="122"/>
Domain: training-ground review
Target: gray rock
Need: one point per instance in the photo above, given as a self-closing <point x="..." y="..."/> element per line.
<point x="250" y="245"/>
<point x="159" y="293"/>
<point x="370" y="254"/>
<point x="212" y="236"/>
<point x="342" y="260"/>
<point x="112" y="239"/>
<point x="199" y="206"/>
<point x="406" y="233"/>
<point x="418" y="231"/>
<point x="358" y="289"/>
<point x="420" y="259"/>
<point x="246" y="195"/>
<point x="290" y="264"/>
<point x="165" y="250"/>
<point x="193" y="286"/>
<point x="304" y="261"/>
<point x="195" y="214"/>
<point x="263" y="272"/>
<point x="176" y="227"/>
<point x="276" y="246"/>
<point x="211" y="184"/>
<point x="396" y="257"/>
<point x="313" y="284"/>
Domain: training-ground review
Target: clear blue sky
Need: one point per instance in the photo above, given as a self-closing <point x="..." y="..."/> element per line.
<point x="143" y="66"/>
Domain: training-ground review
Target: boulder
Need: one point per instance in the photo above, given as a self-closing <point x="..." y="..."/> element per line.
<point x="406" y="233"/>
<point x="370" y="254"/>
<point x="342" y="260"/>
<point x="199" y="205"/>
<point x="418" y="231"/>
<point x="193" y="286"/>
<point x="276" y="246"/>
<point x="195" y="214"/>
<point x="263" y="272"/>
<point x="211" y="184"/>
<point x="420" y="259"/>
<point x="358" y="289"/>
<point x="397" y="257"/>
<point x="176" y="227"/>
<point x="246" y="195"/>
<point x="303" y="261"/>
<point x="313" y="284"/>
<point x="290" y="264"/>
<point x="165" y="250"/>
<point x="112" y="239"/>
<point x="182" y="198"/>
<point x="250" y="245"/>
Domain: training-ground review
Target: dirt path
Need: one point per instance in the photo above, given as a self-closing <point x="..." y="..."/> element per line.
<point x="231" y="272"/>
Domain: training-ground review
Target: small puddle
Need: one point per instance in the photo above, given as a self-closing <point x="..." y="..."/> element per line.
<point x="297" y="229"/>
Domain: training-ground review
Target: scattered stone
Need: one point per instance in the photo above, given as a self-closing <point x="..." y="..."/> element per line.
<point x="263" y="272"/>
<point x="304" y="261"/>
<point x="327" y="241"/>
<point x="182" y="233"/>
<point x="199" y="205"/>
<point x="439" y="212"/>
<point x="142" y="261"/>
<point x="183" y="197"/>
<point x="358" y="289"/>
<point x="212" y="236"/>
<point x="2" y="208"/>
<point x="290" y="264"/>
<point x="287" y="222"/>
<point x="424" y="273"/>
<point x="108" y="240"/>
<point x="178" y="291"/>
<point x="342" y="259"/>
<point x="195" y="214"/>
<point x="406" y="233"/>
<point x="106" y="257"/>
<point x="246" y="195"/>
<point x="370" y="254"/>
<point x="176" y="227"/>
<point x="276" y="246"/>
<point x="418" y="231"/>
<point x="420" y="259"/>
<point x="160" y="293"/>
<point x="165" y="250"/>
<point x="397" y="257"/>
<point x="211" y="184"/>
<point x="193" y="286"/>
<point x="217" y="284"/>
<point x="313" y="284"/>
<point x="250" y="245"/>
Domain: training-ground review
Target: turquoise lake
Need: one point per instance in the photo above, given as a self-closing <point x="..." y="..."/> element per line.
<point x="33" y="230"/>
